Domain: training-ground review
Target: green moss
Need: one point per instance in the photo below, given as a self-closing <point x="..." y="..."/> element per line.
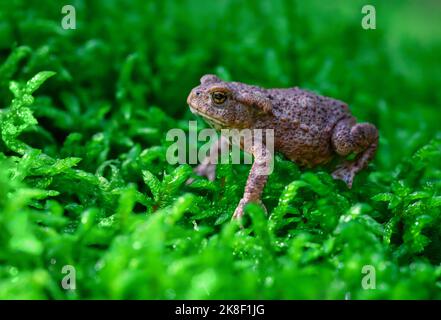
<point x="84" y="179"/>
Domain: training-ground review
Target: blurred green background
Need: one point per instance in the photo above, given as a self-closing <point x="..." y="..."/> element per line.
<point x="83" y="175"/>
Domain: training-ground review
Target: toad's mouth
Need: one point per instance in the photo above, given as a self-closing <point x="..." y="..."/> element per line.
<point x="216" y="123"/>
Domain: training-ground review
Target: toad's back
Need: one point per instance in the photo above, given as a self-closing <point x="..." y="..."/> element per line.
<point x="298" y="105"/>
<point x="306" y="107"/>
<point x="303" y="122"/>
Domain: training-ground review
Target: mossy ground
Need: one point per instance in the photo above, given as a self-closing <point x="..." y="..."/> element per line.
<point x="84" y="180"/>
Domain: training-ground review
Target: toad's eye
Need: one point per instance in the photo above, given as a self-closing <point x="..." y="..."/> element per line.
<point x="218" y="97"/>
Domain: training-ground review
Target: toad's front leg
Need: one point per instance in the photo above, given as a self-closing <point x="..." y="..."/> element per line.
<point x="208" y="166"/>
<point x="256" y="179"/>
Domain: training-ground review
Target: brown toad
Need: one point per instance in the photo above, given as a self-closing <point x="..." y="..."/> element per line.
<point x="309" y="129"/>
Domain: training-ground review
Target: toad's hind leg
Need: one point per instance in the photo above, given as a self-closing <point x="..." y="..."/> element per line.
<point x="349" y="137"/>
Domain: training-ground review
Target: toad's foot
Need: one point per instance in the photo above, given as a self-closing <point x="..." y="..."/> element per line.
<point x="205" y="169"/>
<point x="238" y="213"/>
<point x="345" y="172"/>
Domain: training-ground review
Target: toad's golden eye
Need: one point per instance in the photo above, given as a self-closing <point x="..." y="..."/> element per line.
<point x="218" y="97"/>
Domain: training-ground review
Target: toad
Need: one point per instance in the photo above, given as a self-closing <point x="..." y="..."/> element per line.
<point x="309" y="129"/>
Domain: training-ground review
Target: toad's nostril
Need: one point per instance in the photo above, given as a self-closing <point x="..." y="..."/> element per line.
<point x="198" y="93"/>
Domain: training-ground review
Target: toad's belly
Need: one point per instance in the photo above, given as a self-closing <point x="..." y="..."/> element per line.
<point x="306" y="148"/>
